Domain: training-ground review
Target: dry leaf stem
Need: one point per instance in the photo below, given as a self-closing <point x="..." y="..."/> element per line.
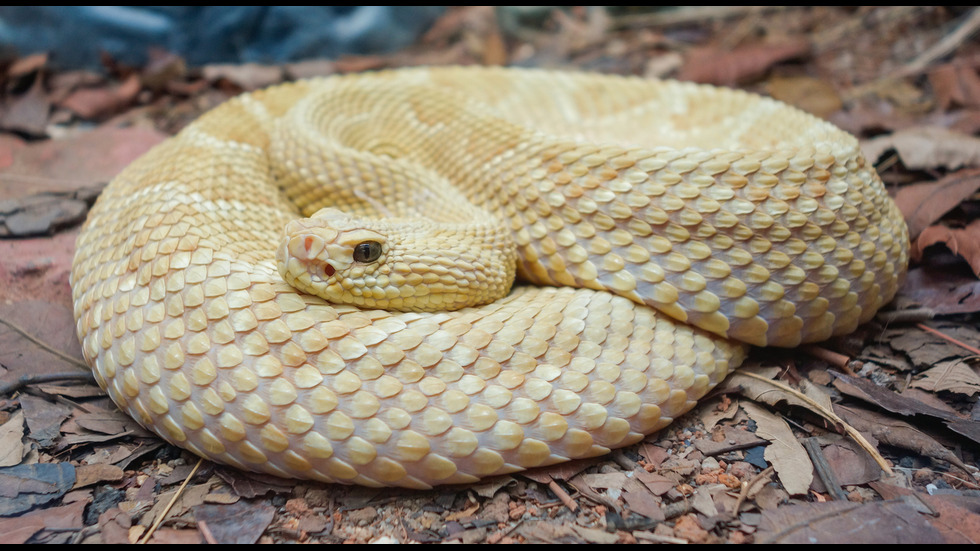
<point x="177" y="494"/>
<point x="831" y="416"/>
<point x="948" y="338"/>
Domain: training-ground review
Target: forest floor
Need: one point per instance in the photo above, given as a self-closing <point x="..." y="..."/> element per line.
<point x="764" y="458"/>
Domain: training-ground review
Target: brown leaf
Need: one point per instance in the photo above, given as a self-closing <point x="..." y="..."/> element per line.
<point x="964" y="242"/>
<point x="246" y="77"/>
<point x="810" y="94"/>
<point x="886" y="399"/>
<point x="713" y="65"/>
<point x="240" y="522"/>
<point x="27" y="65"/>
<point x="44" y="418"/>
<point x="895" y="432"/>
<point x="955" y="86"/>
<point x="923" y="147"/>
<point x="924" y="203"/>
<point x="845" y="522"/>
<point x="100" y="103"/>
<point x="92" y="474"/>
<point x="65" y="518"/>
<point x="12" y="440"/>
<point x="953" y="376"/>
<point x="784" y="453"/>
<point x="946" y="289"/>
<point x="956" y="516"/>
<point x="28" y="113"/>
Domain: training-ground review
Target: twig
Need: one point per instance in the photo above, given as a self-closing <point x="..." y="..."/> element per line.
<point x="44" y="346"/>
<point x="827" y="414"/>
<point x="26" y="380"/>
<point x="905" y="316"/>
<point x="173" y="500"/>
<point x="823" y="469"/>
<point x="833" y="358"/>
<point x="206" y="532"/>
<point x="743" y="494"/>
<point x="970" y="25"/>
<point x="948" y="338"/>
<point x="682" y="16"/>
<point x="563" y="496"/>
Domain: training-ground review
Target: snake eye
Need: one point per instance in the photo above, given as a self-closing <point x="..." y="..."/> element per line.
<point x="368" y="251"/>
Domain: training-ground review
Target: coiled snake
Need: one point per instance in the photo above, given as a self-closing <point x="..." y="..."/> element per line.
<point x="664" y="225"/>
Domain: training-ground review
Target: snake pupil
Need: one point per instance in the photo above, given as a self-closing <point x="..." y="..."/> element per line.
<point x="368" y="251"/>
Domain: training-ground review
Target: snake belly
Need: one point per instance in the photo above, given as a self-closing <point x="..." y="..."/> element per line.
<point x="661" y="228"/>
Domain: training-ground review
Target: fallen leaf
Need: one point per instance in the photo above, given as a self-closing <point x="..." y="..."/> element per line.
<point x="953" y="376"/>
<point x="924" y="203"/>
<point x="925" y="349"/>
<point x="67" y="518"/>
<point x="26" y="486"/>
<point x="810" y="94"/>
<point x="844" y="522"/>
<point x="955" y="86"/>
<point x="44" y="419"/>
<point x="12" y="440"/>
<point x="886" y="399"/>
<point x="28" y="113"/>
<point x="245" y="77"/>
<point x="27" y="65"/>
<point x="100" y="103"/>
<point x="895" y="432"/>
<point x="956" y="516"/>
<point x="784" y="453"/>
<point x="238" y="523"/>
<point x="92" y="474"/>
<point x="963" y="242"/>
<point x="714" y="65"/>
<point x="945" y="289"/>
<point x="922" y="147"/>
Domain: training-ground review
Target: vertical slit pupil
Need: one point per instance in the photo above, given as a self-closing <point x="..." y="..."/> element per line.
<point x="368" y="251"/>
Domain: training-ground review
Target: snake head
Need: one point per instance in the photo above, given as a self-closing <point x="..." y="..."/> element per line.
<point x="329" y="254"/>
<point x="403" y="264"/>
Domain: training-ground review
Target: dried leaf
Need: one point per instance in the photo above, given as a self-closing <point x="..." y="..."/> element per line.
<point x="964" y="242"/>
<point x="845" y="522"/>
<point x="954" y="376"/>
<point x="100" y="103"/>
<point x="810" y="94"/>
<point x="956" y="516"/>
<point x="886" y="399"/>
<point x="943" y="289"/>
<point x="924" y="203"/>
<point x="26" y="486"/>
<point x="92" y="474"/>
<point x="955" y="86"/>
<point x="44" y="419"/>
<point x="20" y="529"/>
<point x="238" y="523"/>
<point x="784" y="453"/>
<point x="28" y="113"/>
<point x="246" y="77"/>
<point x="714" y="65"/>
<point x="895" y="432"/>
<point x="12" y="440"/>
<point x="923" y="147"/>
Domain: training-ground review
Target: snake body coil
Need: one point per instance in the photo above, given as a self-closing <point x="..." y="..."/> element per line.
<point x="665" y="223"/>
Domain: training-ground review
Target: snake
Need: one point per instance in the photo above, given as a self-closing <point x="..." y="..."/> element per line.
<point x="427" y="276"/>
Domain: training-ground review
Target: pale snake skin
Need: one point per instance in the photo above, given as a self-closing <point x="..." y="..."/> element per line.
<point x="644" y="208"/>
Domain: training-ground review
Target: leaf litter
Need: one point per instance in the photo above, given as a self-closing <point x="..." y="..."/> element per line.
<point x="704" y="479"/>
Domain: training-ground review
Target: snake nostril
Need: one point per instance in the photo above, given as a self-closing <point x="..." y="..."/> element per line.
<point x="328" y="270"/>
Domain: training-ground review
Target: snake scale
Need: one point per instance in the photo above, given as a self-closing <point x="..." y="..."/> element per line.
<point x="657" y="229"/>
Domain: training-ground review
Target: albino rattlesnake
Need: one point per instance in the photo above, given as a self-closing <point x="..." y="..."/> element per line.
<point x="662" y="215"/>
